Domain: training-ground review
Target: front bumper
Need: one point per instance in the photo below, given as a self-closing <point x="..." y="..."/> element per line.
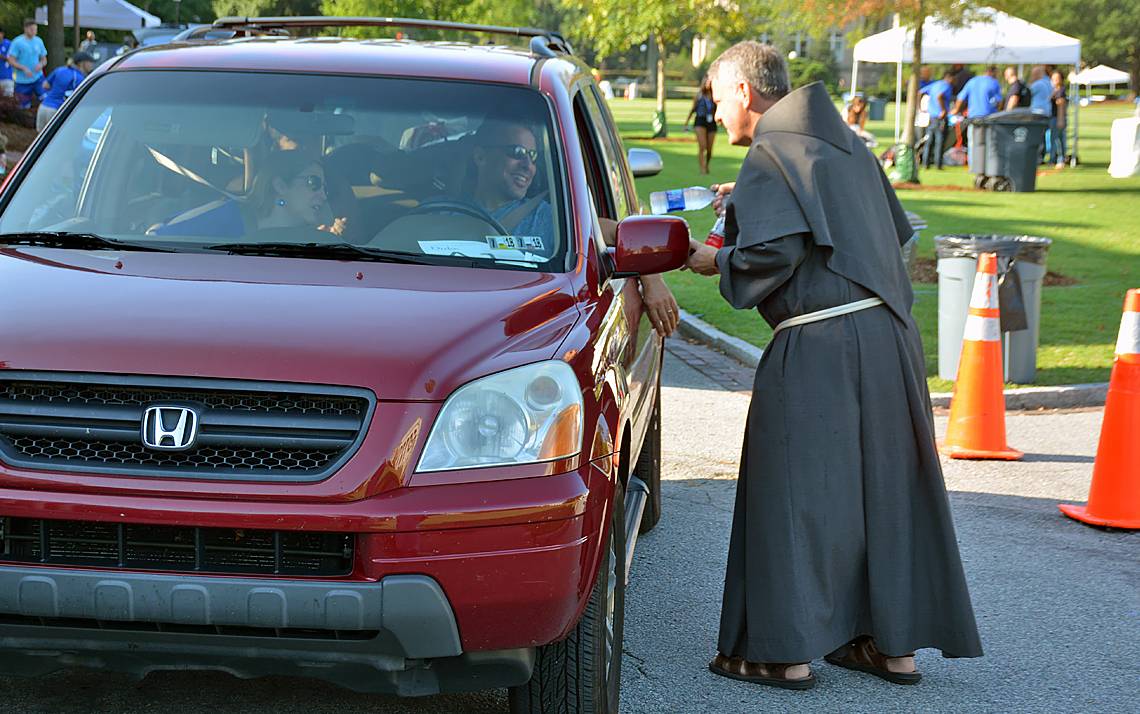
<point x="437" y="601"/>
<point x="398" y="635"/>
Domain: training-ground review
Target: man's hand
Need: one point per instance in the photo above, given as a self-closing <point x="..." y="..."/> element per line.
<point x="702" y="258"/>
<point x="722" y="192"/>
<point x="660" y="304"/>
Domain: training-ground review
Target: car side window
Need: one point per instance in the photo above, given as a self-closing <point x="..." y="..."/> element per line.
<point x="593" y="161"/>
<point x="611" y="150"/>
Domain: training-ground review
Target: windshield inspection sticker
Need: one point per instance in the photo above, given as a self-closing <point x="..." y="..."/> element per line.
<point x="476" y="249"/>
<point x="516" y="242"/>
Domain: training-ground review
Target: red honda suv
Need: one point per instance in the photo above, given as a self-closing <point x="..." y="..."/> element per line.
<point x="327" y="357"/>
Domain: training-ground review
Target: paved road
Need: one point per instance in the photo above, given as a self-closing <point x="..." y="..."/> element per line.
<point x="1058" y="603"/>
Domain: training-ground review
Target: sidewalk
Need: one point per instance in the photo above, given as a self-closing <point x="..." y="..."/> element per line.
<point x="1068" y="396"/>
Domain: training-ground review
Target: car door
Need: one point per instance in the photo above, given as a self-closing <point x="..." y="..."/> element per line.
<point x="610" y="185"/>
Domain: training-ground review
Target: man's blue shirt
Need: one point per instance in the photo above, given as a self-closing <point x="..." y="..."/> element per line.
<point x="539" y="222"/>
<point x="5" y="68"/>
<point x="939" y="88"/>
<point x="63" y="81"/>
<point x="982" y="94"/>
<point x="28" y="53"/>
<point x="1041" y="96"/>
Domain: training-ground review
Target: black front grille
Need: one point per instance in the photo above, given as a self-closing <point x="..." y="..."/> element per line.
<point x="180" y="548"/>
<point x="125" y="453"/>
<point x="246" y="431"/>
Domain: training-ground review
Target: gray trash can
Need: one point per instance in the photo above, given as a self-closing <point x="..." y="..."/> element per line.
<point x="876" y="109"/>
<point x="1021" y="272"/>
<point x="910" y="248"/>
<point x="1006" y="149"/>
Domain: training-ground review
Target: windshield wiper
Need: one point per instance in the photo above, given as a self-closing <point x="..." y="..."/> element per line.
<point x="79" y="241"/>
<point x="340" y="251"/>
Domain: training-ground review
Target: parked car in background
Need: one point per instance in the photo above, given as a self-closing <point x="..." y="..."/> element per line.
<point x="338" y="420"/>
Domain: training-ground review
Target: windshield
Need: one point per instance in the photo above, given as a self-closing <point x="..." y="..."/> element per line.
<point x="189" y="160"/>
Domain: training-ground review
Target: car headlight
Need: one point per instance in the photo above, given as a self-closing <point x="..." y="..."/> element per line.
<point x="524" y="415"/>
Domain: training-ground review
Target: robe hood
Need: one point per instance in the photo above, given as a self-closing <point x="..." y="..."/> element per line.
<point x="808" y="111"/>
<point x="807" y="169"/>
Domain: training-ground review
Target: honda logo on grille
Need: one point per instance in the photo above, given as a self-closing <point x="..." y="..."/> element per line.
<point x="169" y="428"/>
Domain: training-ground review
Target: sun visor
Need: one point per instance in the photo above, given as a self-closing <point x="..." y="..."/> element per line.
<point x="192" y="125"/>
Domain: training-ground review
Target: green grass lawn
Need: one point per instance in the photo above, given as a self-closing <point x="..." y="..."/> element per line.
<point x="1093" y="220"/>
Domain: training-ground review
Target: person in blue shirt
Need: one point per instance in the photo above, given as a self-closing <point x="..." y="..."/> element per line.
<point x="60" y="84"/>
<point x="924" y="79"/>
<point x="1040" y="91"/>
<point x="506" y="162"/>
<point x="7" y="84"/>
<point x="941" y="95"/>
<point x="981" y="97"/>
<point x="28" y="56"/>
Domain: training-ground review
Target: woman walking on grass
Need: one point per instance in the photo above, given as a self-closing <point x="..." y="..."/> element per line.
<point x="1057" y="121"/>
<point x="703" y="114"/>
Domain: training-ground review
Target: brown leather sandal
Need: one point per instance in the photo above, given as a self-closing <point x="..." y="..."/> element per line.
<point x="860" y="655"/>
<point x="772" y="675"/>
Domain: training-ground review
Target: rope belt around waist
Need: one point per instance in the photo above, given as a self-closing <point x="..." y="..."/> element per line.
<point x="828" y="313"/>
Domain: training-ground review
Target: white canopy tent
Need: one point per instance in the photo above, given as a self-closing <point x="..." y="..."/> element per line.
<point x="103" y="15"/>
<point x="992" y="37"/>
<point x="1100" y="75"/>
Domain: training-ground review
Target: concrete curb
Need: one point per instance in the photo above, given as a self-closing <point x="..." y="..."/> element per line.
<point x="1068" y="396"/>
<point x="1065" y="396"/>
<point x="701" y="331"/>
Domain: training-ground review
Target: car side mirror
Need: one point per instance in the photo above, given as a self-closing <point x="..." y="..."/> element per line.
<point x="645" y="162"/>
<point x="650" y="244"/>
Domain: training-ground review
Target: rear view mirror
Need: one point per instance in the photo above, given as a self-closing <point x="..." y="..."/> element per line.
<point x="645" y="162"/>
<point x="650" y="244"/>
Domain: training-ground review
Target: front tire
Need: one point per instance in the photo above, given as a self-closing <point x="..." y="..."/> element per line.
<point x="582" y="673"/>
<point x="648" y="468"/>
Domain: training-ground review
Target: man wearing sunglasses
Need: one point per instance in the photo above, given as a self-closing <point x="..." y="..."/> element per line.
<point x="506" y="161"/>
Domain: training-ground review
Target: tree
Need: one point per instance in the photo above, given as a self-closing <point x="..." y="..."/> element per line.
<point x="613" y="25"/>
<point x="186" y="10"/>
<point x="823" y="14"/>
<point x="269" y="8"/>
<point x="55" y="35"/>
<point x="1109" y="30"/>
<point x="490" y="12"/>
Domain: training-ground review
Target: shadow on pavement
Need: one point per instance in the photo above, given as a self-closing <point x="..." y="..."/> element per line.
<point x="1048" y="593"/>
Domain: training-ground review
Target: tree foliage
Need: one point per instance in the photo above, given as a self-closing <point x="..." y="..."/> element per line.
<point x="613" y="25"/>
<point x="254" y="8"/>
<point x="1109" y="30"/>
<point x="490" y="12"/>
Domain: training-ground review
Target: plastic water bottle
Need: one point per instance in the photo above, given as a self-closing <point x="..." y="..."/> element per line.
<point x="681" y="199"/>
<point x="716" y="234"/>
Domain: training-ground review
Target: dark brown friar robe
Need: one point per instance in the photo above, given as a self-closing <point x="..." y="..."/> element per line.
<point x="842" y="525"/>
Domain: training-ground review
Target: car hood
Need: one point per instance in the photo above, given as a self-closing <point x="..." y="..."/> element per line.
<point x="407" y="332"/>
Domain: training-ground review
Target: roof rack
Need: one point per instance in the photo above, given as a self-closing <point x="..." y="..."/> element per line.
<point x="543" y="43"/>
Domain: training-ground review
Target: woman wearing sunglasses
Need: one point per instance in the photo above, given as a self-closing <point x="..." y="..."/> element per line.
<point x="289" y="193"/>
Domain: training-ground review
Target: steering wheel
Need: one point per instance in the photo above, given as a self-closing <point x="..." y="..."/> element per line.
<point x="445" y="205"/>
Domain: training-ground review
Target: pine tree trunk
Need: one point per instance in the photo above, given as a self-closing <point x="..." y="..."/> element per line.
<point x="55" y="36"/>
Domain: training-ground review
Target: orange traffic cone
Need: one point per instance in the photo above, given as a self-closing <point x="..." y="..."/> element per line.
<point x="1114" y="498"/>
<point x="977" y="410"/>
